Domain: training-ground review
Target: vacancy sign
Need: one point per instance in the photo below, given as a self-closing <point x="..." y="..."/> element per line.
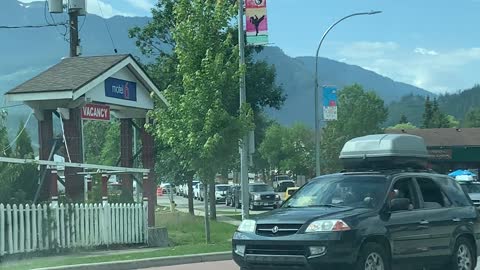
<point x="96" y="112"/>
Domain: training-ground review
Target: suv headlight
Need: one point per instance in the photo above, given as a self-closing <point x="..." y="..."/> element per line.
<point x="247" y="226"/>
<point x="277" y="197"/>
<point x="328" y="226"/>
<point x="256" y="197"/>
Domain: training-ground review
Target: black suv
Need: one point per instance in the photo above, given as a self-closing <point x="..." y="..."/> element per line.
<point x="261" y="195"/>
<point x="365" y="220"/>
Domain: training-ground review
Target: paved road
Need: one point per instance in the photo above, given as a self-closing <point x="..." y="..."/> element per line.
<point x="228" y="265"/>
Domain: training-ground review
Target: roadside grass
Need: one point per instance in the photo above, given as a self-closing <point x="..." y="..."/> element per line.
<point x="186" y="234"/>
<point x="73" y="260"/>
<point x="184" y="229"/>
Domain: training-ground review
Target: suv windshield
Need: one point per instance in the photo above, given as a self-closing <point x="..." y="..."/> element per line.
<point x="470" y="188"/>
<point x="260" y="188"/>
<point x="221" y="188"/>
<point x="351" y="191"/>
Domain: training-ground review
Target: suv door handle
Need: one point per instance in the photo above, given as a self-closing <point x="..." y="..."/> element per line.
<point x="424" y="222"/>
<point x="456" y="220"/>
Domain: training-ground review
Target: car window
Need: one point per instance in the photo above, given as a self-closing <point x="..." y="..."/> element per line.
<point x="433" y="195"/>
<point x="454" y="192"/>
<point x="358" y="191"/>
<point x="260" y="188"/>
<point x="405" y="189"/>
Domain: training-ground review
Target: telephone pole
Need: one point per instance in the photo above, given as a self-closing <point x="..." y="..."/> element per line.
<point x="243" y="100"/>
<point x="74" y="40"/>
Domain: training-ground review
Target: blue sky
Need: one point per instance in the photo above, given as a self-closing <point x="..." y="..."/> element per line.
<point x="431" y="44"/>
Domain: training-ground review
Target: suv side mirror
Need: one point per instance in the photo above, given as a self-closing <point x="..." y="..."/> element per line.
<point x="400" y="204"/>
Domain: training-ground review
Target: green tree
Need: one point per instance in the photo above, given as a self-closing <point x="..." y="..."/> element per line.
<point x="472" y="118"/>
<point x="403" y="119"/>
<point x="197" y="125"/>
<point x="360" y="113"/>
<point x="160" y="39"/>
<point x="428" y="114"/>
<point x="298" y="147"/>
<point x="23" y="145"/>
<point x="110" y="152"/>
<point x="95" y="139"/>
<point x="270" y="149"/>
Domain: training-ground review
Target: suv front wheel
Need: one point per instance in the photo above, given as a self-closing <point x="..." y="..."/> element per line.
<point x="462" y="257"/>
<point x="372" y="257"/>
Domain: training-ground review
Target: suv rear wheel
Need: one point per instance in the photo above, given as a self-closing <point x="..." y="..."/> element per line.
<point x="462" y="257"/>
<point x="372" y="257"/>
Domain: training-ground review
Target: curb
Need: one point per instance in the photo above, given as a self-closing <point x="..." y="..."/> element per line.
<point x="147" y="263"/>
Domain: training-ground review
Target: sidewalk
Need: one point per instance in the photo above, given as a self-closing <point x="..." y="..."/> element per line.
<point x="220" y="217"/>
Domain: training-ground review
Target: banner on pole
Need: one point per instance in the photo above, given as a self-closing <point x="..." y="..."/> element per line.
<point x="330" y="103"/>
<point x="257" y="22"/>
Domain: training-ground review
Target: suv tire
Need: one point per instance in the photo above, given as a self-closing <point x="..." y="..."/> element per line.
<point x="373" y="256"/>
<point x="462" y="257"/>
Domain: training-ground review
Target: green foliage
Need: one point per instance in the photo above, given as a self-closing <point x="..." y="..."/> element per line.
<point x="403" y="126"/>
<point x="198" y="126"/>
<point x="18" y="182"/>
<point x="360" y="113"/>
<point x="403" y="119"/>
<point x="111" y="147"/>
<point x="472" y="118"/>
<point x="289" y="149"/>
<point x="163" y="40"/>
<point x="433" y="117"/>
<point x="95" y="136"/>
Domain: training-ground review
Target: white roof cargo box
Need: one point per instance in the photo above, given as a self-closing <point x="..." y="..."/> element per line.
<point x="385" y="151"/>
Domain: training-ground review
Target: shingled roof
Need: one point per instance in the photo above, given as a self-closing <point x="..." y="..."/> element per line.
<point x="70" y="74"/>
<point x="449" y="137"/>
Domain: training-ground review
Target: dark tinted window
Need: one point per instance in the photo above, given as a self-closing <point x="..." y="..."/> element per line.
<point x="453" y="191"/>
<point x="433" y="196"/>
<point x="221" y="188"/>
<point x="260" y="188"/>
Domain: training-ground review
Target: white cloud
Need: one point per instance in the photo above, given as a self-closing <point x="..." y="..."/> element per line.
<point x="364" y="49"/>
<point x="424" y="51"/>
<point x="145" y="5"/>
<point x="445" y="72"/>
<point x="106" y="10"/>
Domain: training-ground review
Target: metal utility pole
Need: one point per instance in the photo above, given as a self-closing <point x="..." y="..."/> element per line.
<point x="317" y="112"/>
<point x="243" y="100"/>
<point x="74" y="40"/>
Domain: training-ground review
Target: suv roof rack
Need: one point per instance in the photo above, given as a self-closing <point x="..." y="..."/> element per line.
<point x="385" y="152"/>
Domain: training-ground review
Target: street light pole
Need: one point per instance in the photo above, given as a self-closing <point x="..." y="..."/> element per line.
<point x="245" y="195"/>
<point x="317" y="113"/>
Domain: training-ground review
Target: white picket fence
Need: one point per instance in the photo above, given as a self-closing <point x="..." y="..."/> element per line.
<point x="30" y="228"/>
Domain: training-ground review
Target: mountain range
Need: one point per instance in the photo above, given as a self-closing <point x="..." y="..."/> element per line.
<point x="26" y="52"/>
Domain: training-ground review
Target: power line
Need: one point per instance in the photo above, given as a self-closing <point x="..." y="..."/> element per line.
<point x="64" y="35"/>
<point x="18" y="135"/>
<point x="108" y="28"/>
<point x="32" y="26"/>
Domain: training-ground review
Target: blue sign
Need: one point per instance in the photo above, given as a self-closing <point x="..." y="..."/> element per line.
<point x="329" y="96"/>
<point x="116" y="88"/>
<point x="330" y="112"/>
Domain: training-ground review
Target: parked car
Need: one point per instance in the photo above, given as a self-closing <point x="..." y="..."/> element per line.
<point x="199" y="192"/>
<point x="221" y="192"/>
<point x="263" y="195"/>
<point x="282" y="186"/>
<point x="473" y="191"/>
<point x="279" y="178"/>
<point x="385" y="209"/>
<point x="290" y="192"/>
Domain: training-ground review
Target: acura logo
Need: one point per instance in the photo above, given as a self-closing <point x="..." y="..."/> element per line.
<point x="275" y="229"/>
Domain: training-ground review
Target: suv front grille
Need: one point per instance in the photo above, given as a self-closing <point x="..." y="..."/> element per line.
<point x="275" y="250"/>
<point x="280" y="230"/>
<point x="270" y="197"/>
